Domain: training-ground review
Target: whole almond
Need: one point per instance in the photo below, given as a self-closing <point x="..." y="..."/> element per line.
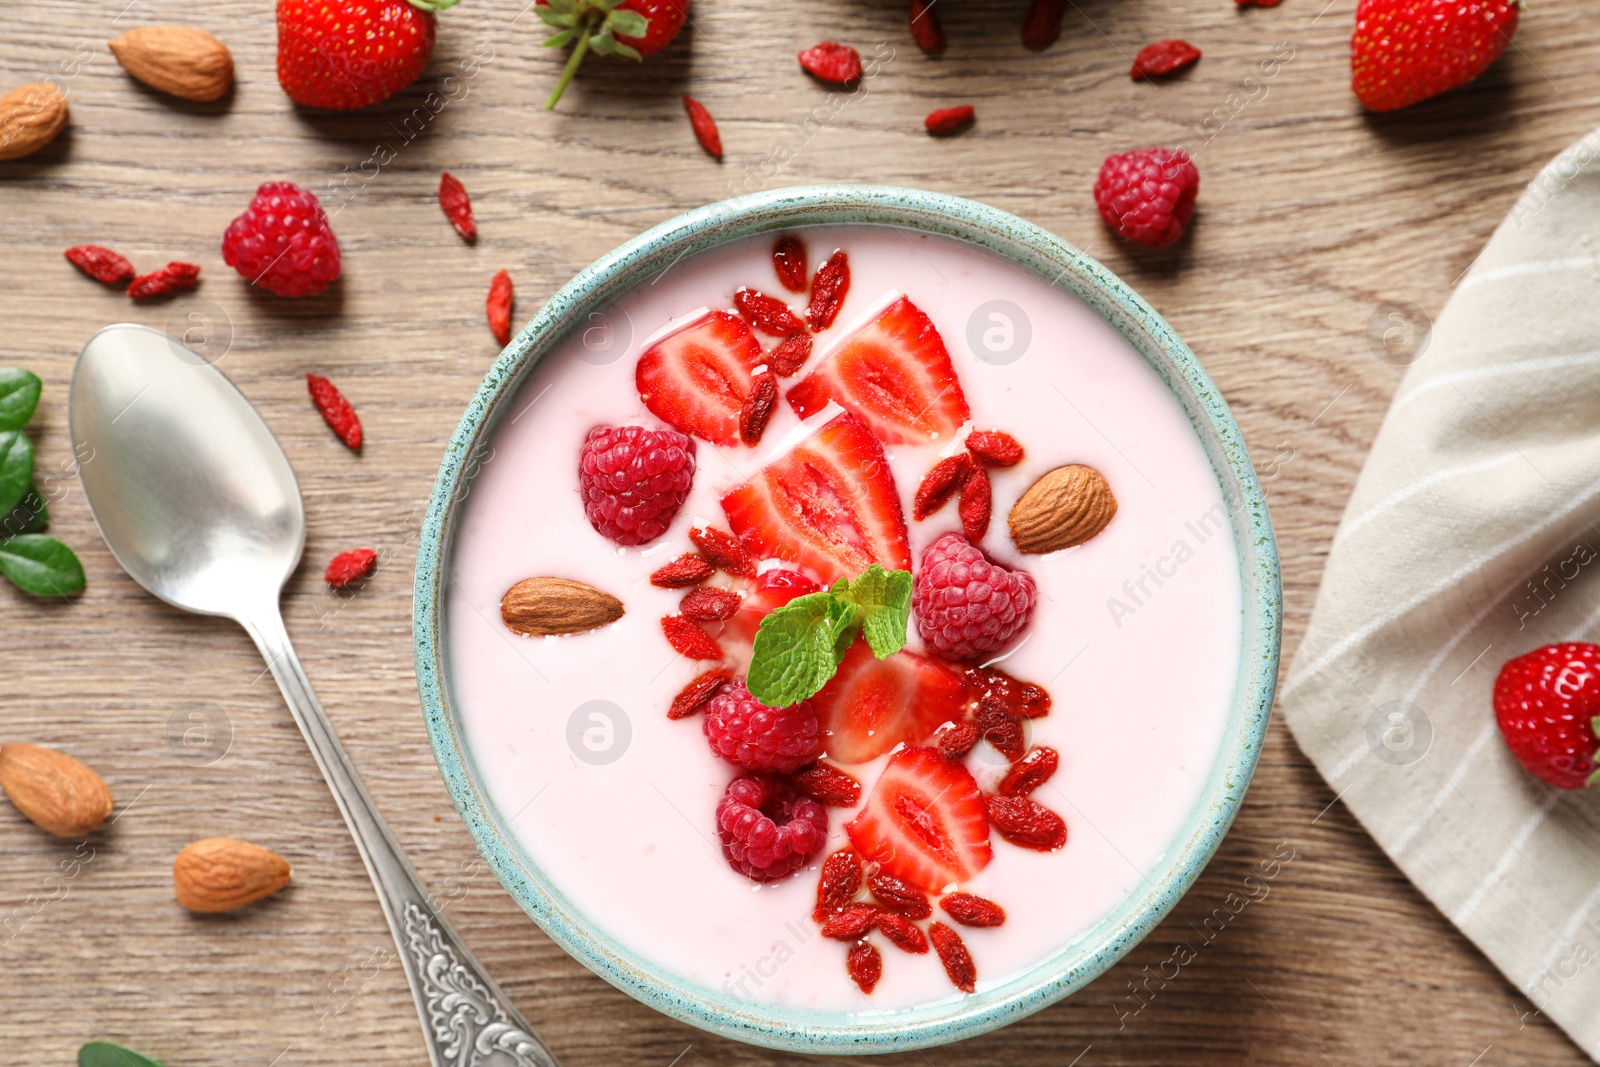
<point x="1065" y="507"/>
<point x="179" y="60"/>
<point x="542" y="607"/>
<point x="223" y="873"/>
<point x="30" y="118"/>
<point x="59" y="794"/>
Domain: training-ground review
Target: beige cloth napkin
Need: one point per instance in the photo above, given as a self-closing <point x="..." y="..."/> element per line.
<point x="1473" y="536"/>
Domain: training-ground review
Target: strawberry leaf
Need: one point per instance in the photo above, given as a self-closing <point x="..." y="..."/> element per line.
<point x="627" y="23"/>
<point x="560" y="40"/>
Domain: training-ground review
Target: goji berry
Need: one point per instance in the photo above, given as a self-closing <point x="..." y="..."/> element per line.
<point x="1026" y="822"/>
<point x="789" y="260"/>
<point x="865" y="965"/>
<point x="955" y="957"/>
<point x="994" y="448"/>
<point x="168" y="279"/>
<point x="832" y="62"/>
<point x="828" y="785"/>
<point x="940" y="484"/>
<point x="757" y="408"/>
<point x="705" y="127"/>
<point x="709" y="605"/>
<point x="838" y="883"/>
<point x="692" y="697"/>
<point x="898" y="896"/>
<point x="925" y="28"/>
<point x="850" y="922"/>
<point x="969" y="910"/>
<point x="1001" y="727"/>
<point x="336" y="410"/>
<point x="903" y="933"/>
<point x="349" y="567"/>
<point x="100" y="263"/>
<point x="457" y="206"/>
<point x="1030" y="772"/>
<point x="1163" y="57"/>
<point x="1025" y="698"/>
<point x="828" y="290"/>
<point x="682" y="572"/>
<point x="957" y="739"/>
<point x="686" y="636"/>
<point x="723" y="550"/>
<point x="977" y="502"/>
<point x="767" y="314"/>
<point x="790" y="355"/>
<point x="499" y="307"/>
<point x="948" y="120"/>
<point x="1042" y="25"/>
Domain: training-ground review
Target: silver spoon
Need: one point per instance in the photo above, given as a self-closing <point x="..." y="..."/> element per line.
<point x="198" y="503"/>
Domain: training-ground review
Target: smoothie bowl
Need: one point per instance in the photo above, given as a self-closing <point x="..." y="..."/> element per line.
<point x="847" y="618"/>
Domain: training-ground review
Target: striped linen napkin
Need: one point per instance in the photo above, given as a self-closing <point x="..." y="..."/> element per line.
<point x="1473" y="536"/>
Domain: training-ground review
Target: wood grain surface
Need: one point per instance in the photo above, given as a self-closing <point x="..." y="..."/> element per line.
<point x="1311" y="216"/>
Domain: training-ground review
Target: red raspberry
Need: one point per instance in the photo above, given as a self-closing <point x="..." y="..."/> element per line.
<point x="1545" y="702"/>
<point x="769" y="830"/>
<point x="283" y="242"/>
<point x="634" y="480"/>
<point x="747" y="733"/>
<point x="965" y="605"/>
<point x="1147" y="195"/>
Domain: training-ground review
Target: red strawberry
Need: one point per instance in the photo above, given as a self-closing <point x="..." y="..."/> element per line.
<point x="774" y="589"/>
<point x="697" y="379"/>
<point x="632" y="29"/>
<point x="351" y="53"/>
<point x="1546" y="702"/>
<point x="1404" y="51"/>
<point x="830" y="505"/>
<point x="894" y="374"/>
<point x="924" y="822"/>
<point x="871" y="704"/>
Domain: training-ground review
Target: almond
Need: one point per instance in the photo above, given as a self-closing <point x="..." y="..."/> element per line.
<point x="30" y="118"/>
<point x="541" y="607"/>
<point x="1065" y="507"/>
<point x="223" y="873"/>
<point x="59" y="794"/>
<point x="179" y="60"/>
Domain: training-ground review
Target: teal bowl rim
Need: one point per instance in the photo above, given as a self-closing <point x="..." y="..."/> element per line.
<point x="1074" y="965"/>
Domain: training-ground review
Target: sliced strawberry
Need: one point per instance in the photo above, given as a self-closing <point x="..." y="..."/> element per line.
<point x="830" y="505"/>
<point x="924" y="822"/>
<point x="894" y="373"/>
<point x="774" y="589"/>
<point x="697" y="379"/>
<point x="871" y="704"/>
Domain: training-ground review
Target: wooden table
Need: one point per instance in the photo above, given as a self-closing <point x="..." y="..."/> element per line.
<point x="1312" y="214"/>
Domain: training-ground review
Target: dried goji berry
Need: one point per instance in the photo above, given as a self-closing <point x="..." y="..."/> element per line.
<point x="349" y="567"/>
<point x="898" y="896"/>
<point x="865" y="965"/>
<point x="969" y="910"/>
<point x="925" y="28"/>
<point x="1001" y="727"/>
<point x="168" y="279"/>
<point x="955" y="957"/>
<point x="828" y="290"/>
<point x="827" y="784"/>
<point x="957" y="739"/>
<point x="705" y="127"/>
<point x="1163" y="57"/>
<point x="977" y="502"/>
<point x="940" y="484"/>
<point x="100" y="263"/>
<point x="767" y="314"/>
<point x="994" y="448"/>
<point x="723" y="550"/>
<point x="692" y="697"/>
<point x="682" y="572"/>
<point x="903" y="933"/>
<point x="686" y="636"/>
<point x="457" y="206"/>
<point x="757" y="408"/>
<point x="499" y="307"/>
<point x="790" y="355"/>
<point x="832" y="62"/>
<point x="789" y="260"/>
<point x="850" y="922"/>
<point x="1042" y="25"/>
<point x="1030" y="772"/>
<point x="336" y="410"/>
<point x="1026" y="822"/>
<point x="710" y="605"/>
<point x="949" y="119"/>
<point x="1025" y="698"/>
<point x="838" y="883"/>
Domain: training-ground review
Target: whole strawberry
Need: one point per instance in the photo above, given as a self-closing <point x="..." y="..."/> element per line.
<point x="1147" y="195"/>
<point x="632" y="28"/>
<point x="283" y="242"/>
<point x="347" y="54"/>
<point x="1546" y="703"/>
<point x="1404" y="51"/>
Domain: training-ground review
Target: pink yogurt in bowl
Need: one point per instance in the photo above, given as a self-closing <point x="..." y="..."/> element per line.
<point x="1156" y="639"/>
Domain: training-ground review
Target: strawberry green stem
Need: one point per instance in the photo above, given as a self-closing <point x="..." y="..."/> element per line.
<point x="571" y="68"/>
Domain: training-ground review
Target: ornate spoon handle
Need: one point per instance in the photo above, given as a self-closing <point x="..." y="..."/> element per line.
<point x="466" y="1019"/>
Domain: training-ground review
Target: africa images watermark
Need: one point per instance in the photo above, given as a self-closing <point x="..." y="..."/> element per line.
<point x="1137" y="592"/>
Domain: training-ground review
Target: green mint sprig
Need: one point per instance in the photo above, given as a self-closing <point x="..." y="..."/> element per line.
<point x="34" y="563"/>
<point x="800" y="645"/>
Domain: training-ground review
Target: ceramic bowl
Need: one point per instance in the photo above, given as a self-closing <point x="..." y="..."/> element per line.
<point x="1073" y="966"/>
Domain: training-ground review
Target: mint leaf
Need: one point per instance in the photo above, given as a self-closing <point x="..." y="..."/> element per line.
<point x="106" y="1054"/>
<point x="40" y="565"/>
<point x="798" y="648"/>
<point x="31" y="515"/>
<point x="19" y="395"/>
<point x="884" y="598"/>
<point x="16" y="469"/>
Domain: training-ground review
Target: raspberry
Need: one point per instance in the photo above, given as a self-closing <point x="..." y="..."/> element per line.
<point x="768" y="830"/>
<point x="899" y="897"/>
<point x="634" y="480"/>
<point x="969" y="910"/>
<point x="838" y="884"/>
<point x="864" y="963"/>
<point x="1147" y="195"/>
<point x="747" y="733"/>
<point x="283" y="242"/>
<point x="965" y="605"/>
